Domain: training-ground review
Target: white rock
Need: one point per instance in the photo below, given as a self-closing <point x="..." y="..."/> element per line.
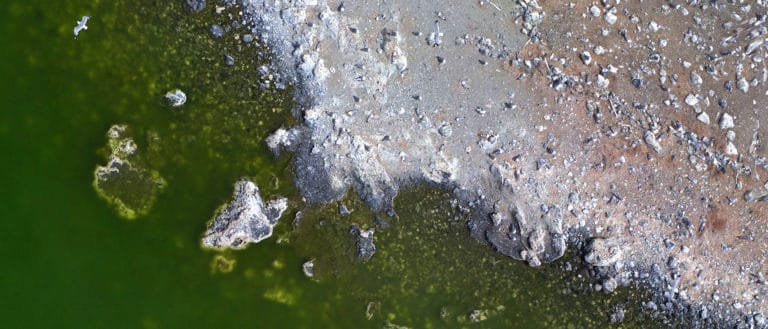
<point x="653" y="26"/>
<point x="594" y="10"/>
<point x="309" y="268"/>
<point x="703" y="117"/>
<point x="726" y="121"/>
<point x="176" y="97"/>
<point x="696" y="79"/>
<point x="610" y="18"/>
<point x="602" y="82"/>
<point x="691" y="100"/>
<point x="743" y="85"/>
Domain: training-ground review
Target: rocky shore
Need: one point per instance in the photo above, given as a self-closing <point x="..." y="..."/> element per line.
<point x="631" y="131"/>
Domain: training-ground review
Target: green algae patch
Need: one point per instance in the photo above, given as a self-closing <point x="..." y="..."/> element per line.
<point x="124" y="181"/>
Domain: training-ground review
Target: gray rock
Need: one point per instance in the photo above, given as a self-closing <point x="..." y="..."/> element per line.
<point x="229" y="60"/>
<point x="246" y="219"/>
<point x="363" y="242"/>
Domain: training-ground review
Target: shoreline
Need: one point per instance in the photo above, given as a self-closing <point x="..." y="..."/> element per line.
<point x="586" y="144"/>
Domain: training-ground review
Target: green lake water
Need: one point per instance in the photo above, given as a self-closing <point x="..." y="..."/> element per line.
<point x="71" y="262"/>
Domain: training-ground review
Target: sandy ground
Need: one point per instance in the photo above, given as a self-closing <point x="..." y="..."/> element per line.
<point x="630" y="130"/>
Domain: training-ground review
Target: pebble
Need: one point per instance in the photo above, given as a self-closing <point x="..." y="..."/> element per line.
<point x="229" y="60"/>
<point x="653" y="26"/>
<point x="445" y="130"/>
<point x="247" y="38"/>
<point x="599" y="50"/>
<point x="594" y="10"/>
<point x="650" y="139"/>
<point x="602" y="81"/>
<point x="696" y="79"/>
<point x="586" y="57"/>
<point x="726" y="121"/>
<point x="691" y="100"/>
<point x="703" y="117"/>
<point x="610" y="18"/>
<point x="743" y="85"/>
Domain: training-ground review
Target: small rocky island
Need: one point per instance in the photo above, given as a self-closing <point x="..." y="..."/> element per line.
<point x="125" y="181"/>
<point x="246" y="219"/>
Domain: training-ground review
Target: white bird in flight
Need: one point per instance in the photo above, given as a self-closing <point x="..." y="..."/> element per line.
<point x="81" y="25"/>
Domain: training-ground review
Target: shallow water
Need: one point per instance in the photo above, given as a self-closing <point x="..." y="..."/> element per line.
<point x="71" y="261"/>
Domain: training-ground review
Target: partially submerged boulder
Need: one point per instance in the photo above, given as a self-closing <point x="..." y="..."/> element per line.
<point x="246" y="219"/>
<point x="123" y="181"/>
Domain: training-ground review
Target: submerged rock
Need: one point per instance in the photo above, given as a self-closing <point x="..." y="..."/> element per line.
<point x="123" y="181"/>
<point x="222" y="264"/>
<point x="246" y="219"/>
<point x="363" y="242"/>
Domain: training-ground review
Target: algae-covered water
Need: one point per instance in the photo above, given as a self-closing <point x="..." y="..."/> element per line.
<point x="69" y="260"/>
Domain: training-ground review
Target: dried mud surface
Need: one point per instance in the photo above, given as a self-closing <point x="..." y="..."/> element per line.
<point x="630" y="130"/>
